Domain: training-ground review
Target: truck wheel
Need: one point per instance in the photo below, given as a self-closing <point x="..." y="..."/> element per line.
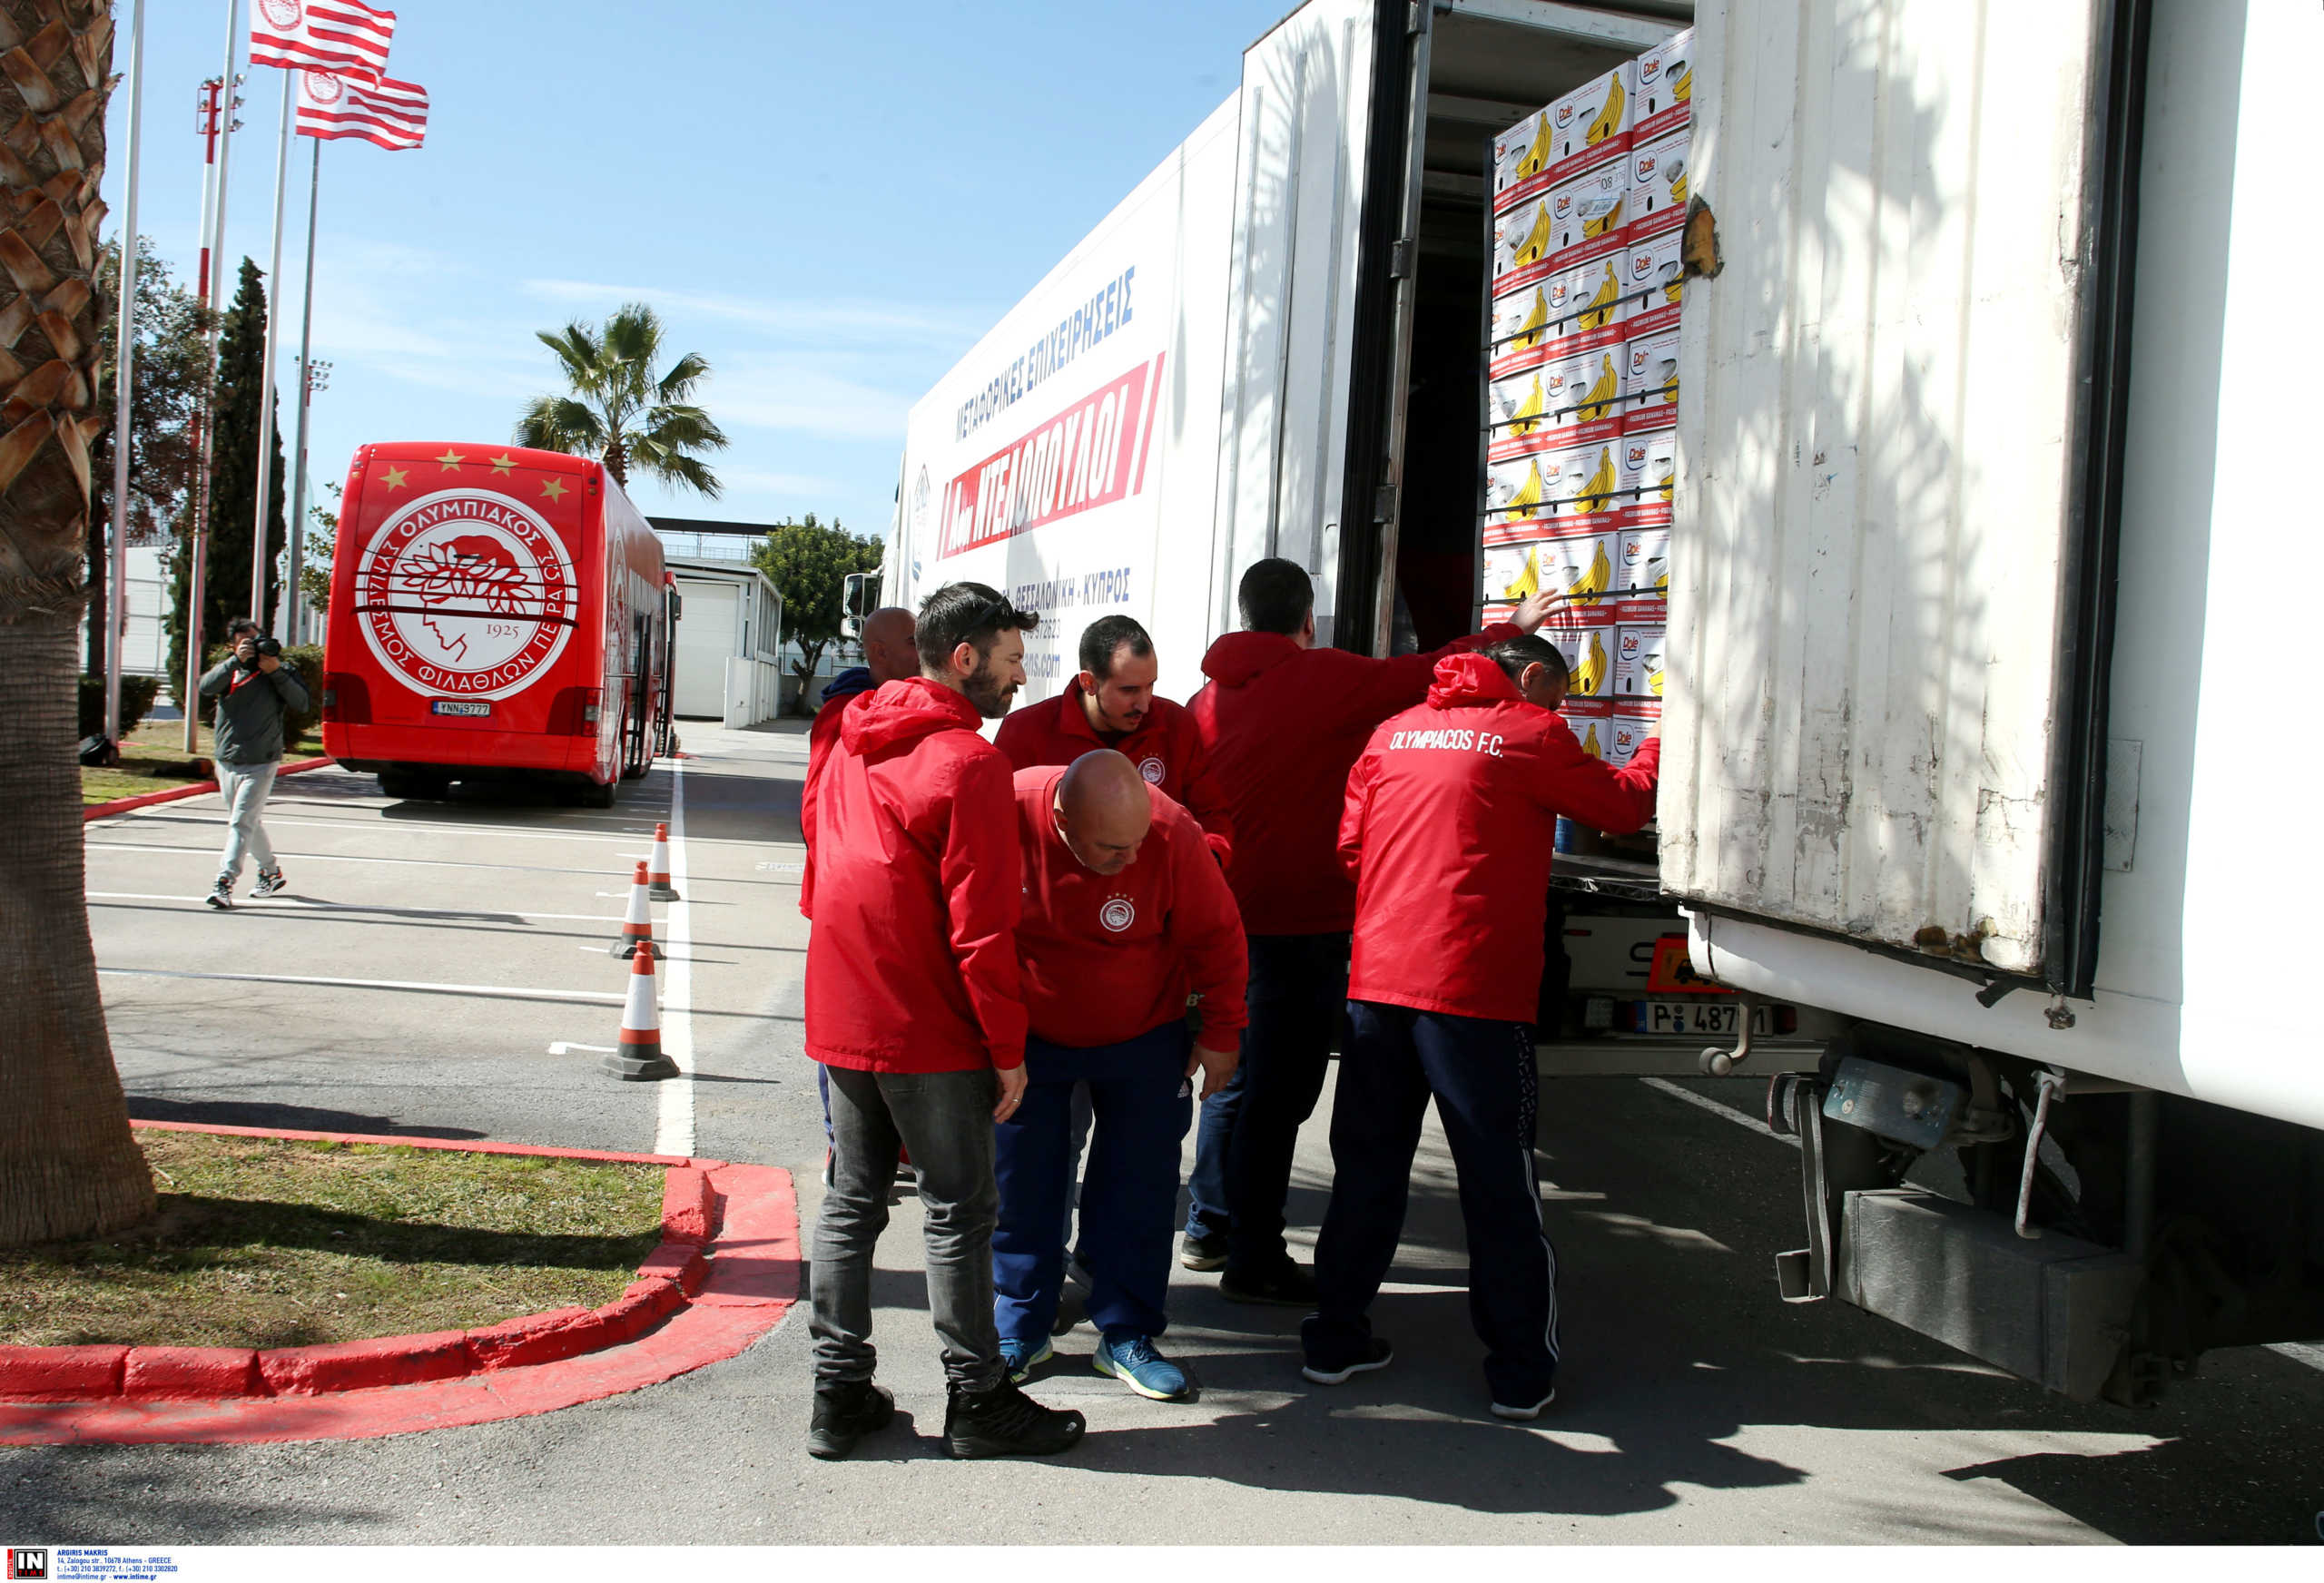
<point x="595" y="796"/>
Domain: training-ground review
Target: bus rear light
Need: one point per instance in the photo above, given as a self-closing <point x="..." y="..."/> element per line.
<point x="593" y="705"/>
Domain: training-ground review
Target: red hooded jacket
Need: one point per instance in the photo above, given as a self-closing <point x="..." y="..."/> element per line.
<point x="917" y="883"/>
<point x="1108" y="957"/>
<point x="1283" y="725"/>
<point x="1165" y="748"/>
<point x="1451" y="822"/>
<point x="822" y="737"/>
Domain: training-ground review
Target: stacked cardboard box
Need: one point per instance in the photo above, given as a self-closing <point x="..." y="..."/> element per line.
<point x="1590" y="205"/>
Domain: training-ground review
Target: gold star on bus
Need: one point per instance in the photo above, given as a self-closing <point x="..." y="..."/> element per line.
<point x="504" y="463"/>
<point x="553" y="490"/>
<point x="452" y="460"/>
<point x="396" y="476"/>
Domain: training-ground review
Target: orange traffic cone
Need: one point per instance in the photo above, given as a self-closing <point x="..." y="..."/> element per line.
<point x="638" y="928"/>
<point x="660" y="874"/>
<point x="639" y="1057"/>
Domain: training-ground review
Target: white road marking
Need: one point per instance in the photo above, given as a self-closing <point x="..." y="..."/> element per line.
<point x="1725" y="1113"/>
<point x="2300" y="1352"/>
<point x="673" y="1128"/>
<point x="303" y="904"/>
<point x="497" y="992"/>
<point x="411" y="827"/>
<point x="338" y="858"/>
<point x="567" y="1047"/>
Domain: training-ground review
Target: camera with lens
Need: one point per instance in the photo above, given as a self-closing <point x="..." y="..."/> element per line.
<point x="271" y="647"/>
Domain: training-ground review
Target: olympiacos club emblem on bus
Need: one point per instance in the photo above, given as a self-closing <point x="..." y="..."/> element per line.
<point x="466" y="594"/>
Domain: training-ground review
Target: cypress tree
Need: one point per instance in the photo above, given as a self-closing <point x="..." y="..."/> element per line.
<point x="234" y="478"/>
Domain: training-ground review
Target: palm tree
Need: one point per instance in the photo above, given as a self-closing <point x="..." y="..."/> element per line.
<point x="619" y="410"/>
<point x="68" y="1165"/>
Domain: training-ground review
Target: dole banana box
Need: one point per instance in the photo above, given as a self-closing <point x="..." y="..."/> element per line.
<point x="1641" y="573"/>
<point x="1646" y="474"/>
<point x="1580" y="302"/>
<point x="1650" y="380"/>
<point x="1653" y="277"/>
<point x="1663" y="88"/>
<point x="1551" y="490"/>
<point x="1630" y="723"/>
<point x="1591" y="721"/>
<point x="1567" y="400"/>
<point x="1587" y="127"/>
<point x="1658" y="195"/>
<point x="1586" y="639"/>
<point x="1577" y="566"/>
<point x="1638" y="659"/>
<point x="1586" y="210"/>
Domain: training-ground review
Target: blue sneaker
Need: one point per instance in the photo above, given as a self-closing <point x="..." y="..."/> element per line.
<point x="1022" y="1358"/>
<point x="1134" y="1362"/>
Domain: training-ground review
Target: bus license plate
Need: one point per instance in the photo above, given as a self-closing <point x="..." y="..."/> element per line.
<point x="1698" y="1016"/>
<point x="466" y="708"/>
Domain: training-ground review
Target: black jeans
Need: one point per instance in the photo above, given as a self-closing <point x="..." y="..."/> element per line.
<point x="945" y="1119"/>
<point x="1482" y="1076"/>
<point x="1298" y="986"/>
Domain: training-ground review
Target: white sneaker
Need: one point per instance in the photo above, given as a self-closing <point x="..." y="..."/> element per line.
<point x="270" y="883"/>
<point x="222" y="895"/>
<point x="1524" y="1414"/>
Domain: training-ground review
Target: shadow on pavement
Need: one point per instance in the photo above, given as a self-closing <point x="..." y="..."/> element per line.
<point x="293" y="1117"/>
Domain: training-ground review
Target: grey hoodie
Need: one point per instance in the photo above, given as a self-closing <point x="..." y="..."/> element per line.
<point x="249" y="716"/>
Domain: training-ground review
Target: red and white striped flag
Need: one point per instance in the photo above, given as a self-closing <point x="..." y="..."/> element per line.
<point x="322" y="35"/>
<point x="388" y="113"/>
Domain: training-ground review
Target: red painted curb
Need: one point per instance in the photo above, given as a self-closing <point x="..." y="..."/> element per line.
<point x="177" y="793"/>
<point x="220" y="1394"/>
<point x="686" y="1206"/>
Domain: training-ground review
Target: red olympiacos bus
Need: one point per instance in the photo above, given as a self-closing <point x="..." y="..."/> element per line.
<point x="496" y="614"/>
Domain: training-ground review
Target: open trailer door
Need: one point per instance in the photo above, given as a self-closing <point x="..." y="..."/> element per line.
<point x="1899" y="417"/>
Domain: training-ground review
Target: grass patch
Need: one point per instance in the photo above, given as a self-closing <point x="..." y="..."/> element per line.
<point x="270" y="1243"/>
<point x="153" y="759"/>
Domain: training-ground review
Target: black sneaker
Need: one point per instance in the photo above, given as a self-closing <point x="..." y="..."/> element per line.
<point x="1203" y="1253"/>
<point x="1287" y="1284"/>
<point x="270" y="882"/>
<point x="1006" y="1423"/>
<point x="221" y="894"/>
<point x="844" y="1413"/>
<point x="1376" y="1354"/>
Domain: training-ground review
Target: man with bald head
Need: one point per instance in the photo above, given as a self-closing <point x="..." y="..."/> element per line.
<point x="1126" y="916"/>
<point x="888" y="656"/>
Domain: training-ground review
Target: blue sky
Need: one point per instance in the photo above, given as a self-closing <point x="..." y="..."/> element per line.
<point x="829" y="201"/>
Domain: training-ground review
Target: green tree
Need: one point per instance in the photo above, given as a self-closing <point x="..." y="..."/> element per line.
<point x="166" y="392"/>
<point x="808" y="564"/>
<point x="242" y="384"/>
<point x="619" y="410"/>
<point x="322" y="539"/>
<point x="69" y="1167"/>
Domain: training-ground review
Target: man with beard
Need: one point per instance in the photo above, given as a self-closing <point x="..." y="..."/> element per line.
<point x="915" y="1009"/>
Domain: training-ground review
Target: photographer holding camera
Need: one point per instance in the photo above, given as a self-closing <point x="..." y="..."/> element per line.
<point x="254" y="689"/>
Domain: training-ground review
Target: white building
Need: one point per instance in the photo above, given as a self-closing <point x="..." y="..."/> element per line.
<point x="729" y="621"/>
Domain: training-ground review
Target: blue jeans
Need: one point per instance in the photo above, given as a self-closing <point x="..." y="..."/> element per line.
<point x="1298" y="984"/>
<point x="1482" y="1077"/>
<point x="1129" y="1199"/>
<point x="1207" y="1184"/>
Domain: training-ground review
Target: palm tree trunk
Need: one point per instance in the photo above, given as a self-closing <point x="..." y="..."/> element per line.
<point x="618" y="459"/>
<point x="68" y="1164"/>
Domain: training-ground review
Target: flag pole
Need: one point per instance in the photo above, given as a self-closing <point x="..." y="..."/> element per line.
<point x="124" y="338"/>
<point x="260" y="557"/>
<point x="189" y="696"/>
<point x="294" y="597"/>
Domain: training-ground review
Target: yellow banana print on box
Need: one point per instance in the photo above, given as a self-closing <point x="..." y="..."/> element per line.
<point x="1609" y="115"/>
<point x="1589" y="674"/>
<point x="1528" y="416"/>
<point x="1598" y="494"/>
<point x="1600" y="400"/>
<point x="1537" y="158"/>
<point x="1537" y="319"/>
<point x="1683" y="85"/>
<point x="1599" y="311"/>
<point x="1605" y="222"/>
<point x="1529" y="493"/>
<point x="1586" y="588"/>
<point x="1529" y="581"/>
<point x="1654" y="682"/>
<point x="1537" y="241"/>
<point x="1589" y="743"/>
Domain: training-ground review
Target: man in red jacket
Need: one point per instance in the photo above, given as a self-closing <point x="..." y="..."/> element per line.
<point x="1112" y="704"/>
<point x="914" y="1006"/>
<point x="1441" y="995"/>
<point x="1284" y="721"/>
<point x="1126" y="916"/>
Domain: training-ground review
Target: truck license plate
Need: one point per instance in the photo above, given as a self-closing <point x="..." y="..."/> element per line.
<point x="1698" y="1016"/>
<point x="468" y="708"/>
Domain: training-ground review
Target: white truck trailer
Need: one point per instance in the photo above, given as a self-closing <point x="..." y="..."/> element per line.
<point x="1966" y="837"/>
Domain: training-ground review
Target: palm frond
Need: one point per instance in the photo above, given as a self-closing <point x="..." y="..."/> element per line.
<point x="684" y="428"/>
<point x="672" y="469"/>
<point x="559" y="423"/>
<point x="684" y="374"/>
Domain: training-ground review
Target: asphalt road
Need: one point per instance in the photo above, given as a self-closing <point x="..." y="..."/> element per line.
<point x="431" y="957"/>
